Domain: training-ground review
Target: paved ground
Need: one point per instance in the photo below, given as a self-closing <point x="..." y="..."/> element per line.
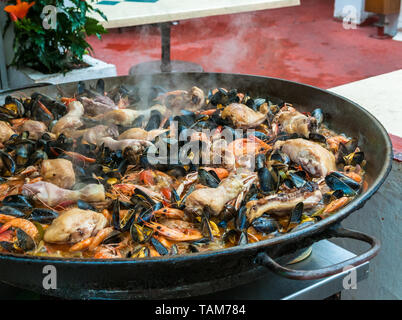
<point x="298" y="43"/>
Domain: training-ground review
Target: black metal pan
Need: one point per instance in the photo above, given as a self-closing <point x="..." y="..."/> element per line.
<point x="203" y="273"/>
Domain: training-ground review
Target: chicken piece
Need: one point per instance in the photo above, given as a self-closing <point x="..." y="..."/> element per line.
<point x="94" y="134"/>
<point x="177" y="100"/>
<point x="71" y="121"/>
<point x="35" y="128"/>
<point x="59" y="172"/>
<point x="141" y="134"/>
<point x="289" y="120"/>
<point x="282" y="203"/>
<point x="137" y="145"/>
<point x="315" y="159"/>
<point x="5" y="131"/>
<point x="214" y="199"/>
<point x="74" y="225"/>
<point x="242" y="116"/>
<point x="52" y="195"/>
<point x="125" y="117"/>
<point x="98" y="105"/>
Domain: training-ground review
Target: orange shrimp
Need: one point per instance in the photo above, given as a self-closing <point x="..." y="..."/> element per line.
<point x="106" y="252"/>
<point x="4" y="218"/>
<point x="153" y="252"/>
<point x="354" y="176"/>
<point x="147" y="176"/>
<point x="67" y="101"/>
<point x="18" y="122"/>
<point x="46" y="110"/>
<point x="240" y="147"/>
<point x="7" y="236"/>
<point x="100" y="236"/>
<point x="170" y="213"/>
<point x="208" y="112"/>
<point x="82" y="245"/>
<point x="336" y="204"/>
<point x="334" y="142"/>
<point x="182" y="234"/>
<point x="222" y="173"/>
<point x="25" y="225"/>
<point x="107" y="215"/>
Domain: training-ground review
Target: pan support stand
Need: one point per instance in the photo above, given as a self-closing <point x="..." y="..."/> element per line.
<point x="165" y="64"/>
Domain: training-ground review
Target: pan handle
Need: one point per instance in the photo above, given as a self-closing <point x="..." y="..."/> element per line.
<point x="265" y="260"/>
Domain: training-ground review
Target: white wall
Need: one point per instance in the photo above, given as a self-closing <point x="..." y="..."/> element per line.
<point x="340" y="12"/>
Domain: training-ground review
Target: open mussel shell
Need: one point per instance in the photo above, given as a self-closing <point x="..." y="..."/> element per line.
<point x="265" y="224"/>
<point x="140" y="234"/>
<point x="9" y="164"/>
<point x="332" y="195"/>
<point x="113" y="238"/>
<point x="24" y="241"/>
<point x="318" y="115"/>
<point x="43" y="215"/>
<point x="207" y="178"/>
<point x="266" y="180"/>
<point x="297" y="180"/>
<point x="123" y="224"/>
<point x="296" y="215"/>
<point x="162" y="250"/>
<point x="142" y="252"/>
<point x="317" y="137"/>
<point x="154" y="121"/>
<point x="338" y="181"/>
<point x="17" y="201"/>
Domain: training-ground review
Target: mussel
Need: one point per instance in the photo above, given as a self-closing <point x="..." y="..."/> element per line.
<point x="338" y="181"/>
<point x="43" y="215"/>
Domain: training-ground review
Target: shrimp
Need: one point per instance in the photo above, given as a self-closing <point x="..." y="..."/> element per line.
<point x="179" y="234"/>
<point x="170" y="213"/>
<point x="25" y="225"/>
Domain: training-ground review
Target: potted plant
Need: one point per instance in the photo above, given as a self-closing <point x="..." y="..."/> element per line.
<point x="50" y="41"/>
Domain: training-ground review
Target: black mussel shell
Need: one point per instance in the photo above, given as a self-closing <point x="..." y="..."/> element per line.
<point x="8" y="163"/>
<point x="266" y="180"/>
<point x="42" y="215"/>
<point x="243" y="239"/>
<point x="260" y="161"/>
<point x="318" y="114"/>
<point x="295" y="216"/>
<point x="206" y="178"/>
<point x="85" y="205"/>
<point x="162" y="250"/>
<point x="154" y="121"/>
<point x="297" y="181"/>
<point x="265" y="224"/>
<point x="338" y="181"/>
<point x="317" y="137"/>
<point x="241" y="221"/>
<point x="140" y="234"/>
<point x="11" y="211"/>
<point x="24" y="241"/>
<point x="17" y="201"/>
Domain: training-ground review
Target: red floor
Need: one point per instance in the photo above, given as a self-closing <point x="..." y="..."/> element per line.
<point x="300" y="43"/>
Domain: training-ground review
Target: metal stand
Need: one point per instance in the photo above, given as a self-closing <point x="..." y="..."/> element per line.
<point x="380" y="35"/>
<point x="165" y="64"/>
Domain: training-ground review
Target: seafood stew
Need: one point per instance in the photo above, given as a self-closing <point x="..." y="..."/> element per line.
<point x="91" y="175"/>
